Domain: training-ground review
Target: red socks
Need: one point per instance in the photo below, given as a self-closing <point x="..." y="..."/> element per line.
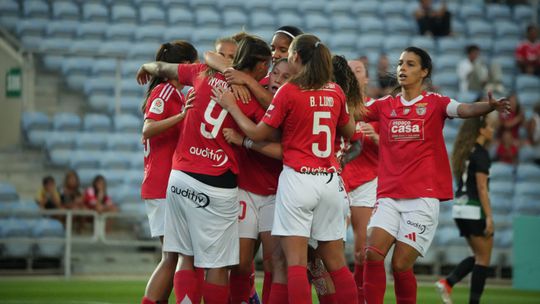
<point x="199" y="273"/>
<point x="405" y="287"/>
<point x="298" y="285"/>
<point x="215" y="294"/>
<point x="267" y="284"/>
<point x="359" y="279"/>
<point x="328" y="299"/>
<point x="146" y="300"/>
<point x="279" y="294"/>
<point x="345" y="285"/>
<point x="240" y="286"/>
<point x="374" y="282"/>
<point x="185" y="283"/>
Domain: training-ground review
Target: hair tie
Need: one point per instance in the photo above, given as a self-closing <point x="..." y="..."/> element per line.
<point x="317" y="44"/>
<point x="166" y="46"/>
<point x="286" y="33"/>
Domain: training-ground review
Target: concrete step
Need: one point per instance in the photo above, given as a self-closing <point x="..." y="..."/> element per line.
<point x="101" y="259"/>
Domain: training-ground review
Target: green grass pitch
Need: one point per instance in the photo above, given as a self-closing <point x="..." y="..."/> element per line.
<point x="94" y="291"/>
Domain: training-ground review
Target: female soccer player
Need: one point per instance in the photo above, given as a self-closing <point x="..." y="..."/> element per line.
<point x="310" y="109"/>
<point x="472" y="210"/>
<point x="360" y="176"/>
<point x="414" y="174"/>
<point x="163" y="113"/>
<point x="202" y="210"/>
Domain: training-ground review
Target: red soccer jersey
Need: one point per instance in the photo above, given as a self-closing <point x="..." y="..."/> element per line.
<point x="308" y="119"/>
<point x="202" y="148"/>
<point x="164" y="101"/>
<point x="413" y="161"/>
<point x="529" y="52"/>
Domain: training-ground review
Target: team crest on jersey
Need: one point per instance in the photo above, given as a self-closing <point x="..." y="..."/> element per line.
<point x="406" y="110"/>
<point x="421" y="108"/>
<point x="406" y="129"/>
<point x="157" y="106"/>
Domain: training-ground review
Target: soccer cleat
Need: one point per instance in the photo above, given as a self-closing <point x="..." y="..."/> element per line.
<point x="444" y="291"/>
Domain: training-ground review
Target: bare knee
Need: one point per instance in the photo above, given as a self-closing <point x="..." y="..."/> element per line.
<point x="401" y="265"/>
<point x="371" y="254"/>
<point x="359" y="257"/>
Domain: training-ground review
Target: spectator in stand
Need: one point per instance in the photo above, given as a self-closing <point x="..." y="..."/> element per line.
<point x="528" y="52"/>
<point x="472" y="72"/>
<point x="533" y="127"/>
<point x="71" y="192"/>
<point x="507" y="151"/>
<point x="512" y="121"/>
<point x="48" y="196"/>
<point x="96" y="197"/>
<point x="431" y="21"/>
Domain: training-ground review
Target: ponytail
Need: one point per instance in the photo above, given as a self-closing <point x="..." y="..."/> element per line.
<point x="316" y="62"/>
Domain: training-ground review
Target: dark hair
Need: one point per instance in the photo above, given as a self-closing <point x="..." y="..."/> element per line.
<point x="74" y="174"/>
<point x="96" y="179"/>
<point x="316" y="62"/>
<point x="471" y="48"/>
<point x="425" y="59"/>
<point x="280" y="60"/>
<point x="178" y="51"/>
<point x="345" y="78"/>
<point x="251" y="50"/>
<point x="288" y="31"/>
<point x="47" y="179"/>
<point x="465" y="140"/>
<point x="531" y="27"/>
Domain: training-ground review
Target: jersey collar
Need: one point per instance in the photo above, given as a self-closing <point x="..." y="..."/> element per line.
<point x="406" y="102"/>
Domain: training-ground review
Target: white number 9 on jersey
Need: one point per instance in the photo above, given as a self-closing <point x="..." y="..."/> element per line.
<point x="214" y="122"/>
<point x="321" y="128"/>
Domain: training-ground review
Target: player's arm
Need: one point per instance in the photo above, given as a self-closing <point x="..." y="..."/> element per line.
<point x="483" y="195"/>
<point x="257" y="132"/>
<point x="263" y="96"/>
<point x="158" y="69"/>
<point x="270" y="149"/>
<point x="468" y="110"/>
<point x="216" y="61"/>
<point x="349" y="128"/>
<point x="153" y="127"/>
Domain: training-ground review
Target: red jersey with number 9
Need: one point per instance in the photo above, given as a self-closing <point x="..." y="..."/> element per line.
<point x="309" y="120"/>
<point x="413" y="161"/>
<point x="164" y="101"/>
<point x="202" y="147"/>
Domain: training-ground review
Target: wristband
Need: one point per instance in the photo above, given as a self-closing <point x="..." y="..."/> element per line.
<point x="247" y="142"/>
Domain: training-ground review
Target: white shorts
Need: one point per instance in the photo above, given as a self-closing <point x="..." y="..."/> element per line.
<point x="155" y="209"/>
<point x="411" y="221"/>
<point x="365" y="195"/>
<point x="256" y="214"/>
<point x="309" y="205"/>
<point x="201" y="221"/>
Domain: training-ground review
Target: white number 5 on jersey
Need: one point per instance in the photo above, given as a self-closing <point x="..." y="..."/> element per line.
<point x="318" y="128"/>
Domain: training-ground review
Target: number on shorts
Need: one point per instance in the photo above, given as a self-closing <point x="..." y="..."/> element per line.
<point x="321" y="128"/>
<point x="243" y="208"/>
<point x="212" y="121"/>
<point x="146" y="147"/>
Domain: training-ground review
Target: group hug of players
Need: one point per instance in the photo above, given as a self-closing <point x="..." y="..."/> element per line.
<point x="279" y="146"/>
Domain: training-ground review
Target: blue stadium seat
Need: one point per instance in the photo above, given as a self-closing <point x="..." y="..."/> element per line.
<point x="338" y="9"/>
<point x="289" y="17"/>
<point x="60" y="157"/>
<point x="61" y="140"/>
<point x="257" y="6"/>
<point x="9" y="8"/>
<point x="150" y="14"/>
<point x="130" y="68"/>
<point x="86" y="45"/>
<point x="124" y="142"/>
<point x="453" y="255"/>
<point x="528" y="172"/>
<point x="502" y="188"/>
<point x="122" y="13"/>
<point x="93" y="141"/>
<point x="54" y="45"/>
<point x="498" y="11"/>
<point x="37" y="137"/>
<point x="204" y="36"/>
<point x="522" y="12"/>
<point x="343" y="41"/>
<point x="104" y="67"/>
<point x="130" y="87"/>
<point x="136" y="161"/>
<point x="134" y="177"/>
<point x="528" y="188"/>
<point x="101" y="85"/>
<point x="262" y="19"/>
<point x="94" y="11"/>
<point x="10" y="23"/>
<point x="114" y="160"/>
<point x="446" y="63"/>
<point x="143" y="51"/>
<point x="31" y="121"/>
<point x="170" y="4"/>
<point x="526" y="154"/>
<point x="49" y="249"/>
<point x="504" y="238"/>
<point x="129" y="104"/>
<point x="47" y="227"/>
<point x="529" y="98"/>
<point x="446" y="81"/>
<point x="399" y="26"/>
<point x="471" y="12"/>
<point x="527" y="83"/>
<point x="116" y="48"/>
<point x="459" y="29"/>
<point x="96" y="123"/>
<point x="344" y="24"/>
<point x="62" y="29"/>
<point x="143" y="3"/>
<point x="172" y="33"/>
<point x="65" y="121"/>
<point x="235" y="19"/>
<point x="114" y="177"/>
<point x="66" y="10"/>
<point x="280" y="6"/>
<point x="311" y="7"/>
<point x="370" y="43"/>
<point x="479" y="29"/>
<point x="31" y="28"/>
<point x="392" y="9"/>
<point x="127" y="123"/>
<point x="501" y="203"/>
<point x="86" y="176"/>
<point x="424" y="42"/>
<point x="136" y="208"/>
<point x="204" y="4"/>
<point x="500" y="171"/>
<point x="85" y="160"/>
<point x="363" y="9"/>
<point x="317" y="23"/>
<point x="395" y="44"/>
<point x="100" y="102"/>
<point x="208" y="17"/>
<point x="507" y="29"/>
<point x="180" y="16"/>
<point x="446" y="236"/>
<point x="525" y="204"/>
<point x="52" y="62"/>
<point x="150" y="33"/>
<point x="507" y="63"/>
<point x="8" y="193"/>
<point x="142" y="230"/>
<point x="485" y="44"/>
<point x="36" y="9"/>
<point x="238" y="5"/>
<point x="120" y="31"/>
<point x="77" y="68"/>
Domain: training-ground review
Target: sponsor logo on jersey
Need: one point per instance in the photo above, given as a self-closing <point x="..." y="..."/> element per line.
<point x="317" y="171"/>
<point x="157" y="106"/>
<point x="406" y="110"/>
<point x="270" y="108"/>
<point x="419" y="226"/>
<point x="393" y="113"/>
<point x="200" y="199"/>
<point x="217" y="156"/>
<point x="406" y="129"/>
<point x="411" y="236"/>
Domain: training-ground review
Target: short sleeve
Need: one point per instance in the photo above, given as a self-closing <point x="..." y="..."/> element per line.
<point x="276" y="112"/>
<point x="344" y="112"/>
<point x="481" y="161"/>
<point x="372" y="111"/>
<point x="158" y="105"/>
<point x="188" y="72"/>
<point x="452" y="108"/>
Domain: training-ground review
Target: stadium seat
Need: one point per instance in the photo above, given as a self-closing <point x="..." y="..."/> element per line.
<point x="102" y="85"/>
<point x="62" y="29"/>
<point x="86" y="45"/>
<point x="318" y="23"/>
<point x="528" y="188"/>
<point x="151" y="15"/>
<point x="120" y="31"/>
<point x="485" y="43"/>
<point x="127" y="123"/>
<point x="362" y="9"/>
<point x="8" y="193"/>
<point x="66" y="10"/>
<point x="61" y="140"/>
<point x="527" y="83"/>
<point x="392" y="9"/>
<point x="343" y="41"/>
<point x="31" y="121"/>
<point x="104" y="67"/>
<point x="92" y="141"/>
<point x="234" y="19"/>
<point x="262" y="20"/>
<point x="47" y="227"/>
<point x="65" y="121"/>
<point x="238" y="5"/>
<point x="446" y="63"/>
<point x="280" y="6"/>
<point x="502" y="188"/>
<point x="124" y="142"/>
<point x="289" y="17"/>
<point x="424" y="42"/>
<point x="130" y="87"/>
<point x="48" y="248"/>
<point x="500" y="171"/>
<point x="9" y="8"/>
<point x="134" y="178"/>
<point x="529" y="98"/>
<point x="114" y="177"/>
<point x="453" y="255"/>
<point x="479" y="29"/>
<point x="311" y="7"/>
<point x="60" y="157"/>
<point x="526" y="154"/>
<point x="507" y="29"/>
<point x="117" y="48"/>
<point x="527" y="172"/>
<point x="471" y="12"/>
<point x="85" y="160"/>
<point x="501" y="203"/>
<point x="172" y="34"/>
<point x="498" y="11"/>
<point x="507" y="63"/>
<point x="204" y="4"/>
<point x="86" y="176"/>
<point x="399" y="26"/>
<point x="344" y="25"/>
<point x="522" y="12"/>
<point x="36" y="9"/>
<point x="370" y="44"/>
<point x="128" y="104"/>
<point x="136" y="161"/>
<point x="10" y="23"/>
<point x="114" y="160"/>
<point x="143" y="51"/>
<point x="122" y="13"/>
<point x="338" y="9"/>
<point x="395" y="44"/>
<point x="259" y="6"/>
<point x="95" y="11"/>
<point x="31" y="28"/>
<point x="207" y="17"/>
<point x="503" y="239"/>
<point x="150" y="33"/>
<point x="180" y="16"/>
<point x="446" y="81"/>
<point x="96" y="123"/>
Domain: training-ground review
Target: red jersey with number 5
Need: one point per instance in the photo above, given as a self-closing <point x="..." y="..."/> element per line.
<point x="309" y="120"/>
<point x="202" y="147"/>
<point x="413" y="161"/>
<point x="164" y="101"/>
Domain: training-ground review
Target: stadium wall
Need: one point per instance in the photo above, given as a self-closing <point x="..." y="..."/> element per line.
<point x="10" y="107"/>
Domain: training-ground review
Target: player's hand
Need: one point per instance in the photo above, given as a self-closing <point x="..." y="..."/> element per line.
<point x="501" y="105"/>
<point x="189" y="103"/>
<point x="223" y="97"/>
<point x="369" y="131"/>
<point x="241" y="93"/>
<point x="235" y="77"/>
<point x="233" y="137"/>
<point x="488" y="232"/>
